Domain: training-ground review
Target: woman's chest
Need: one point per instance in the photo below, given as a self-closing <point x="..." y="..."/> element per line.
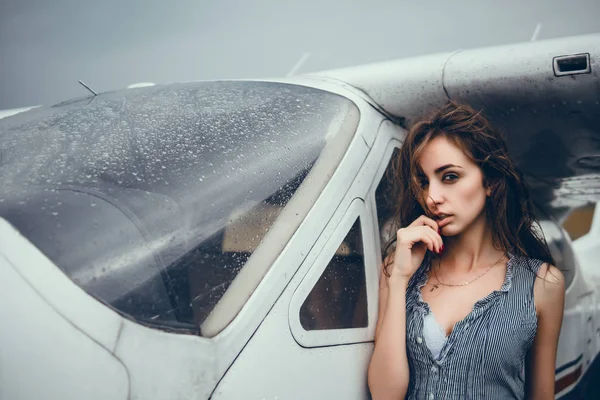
<point x="495" y="332"/>
<point x="452" y="304"/>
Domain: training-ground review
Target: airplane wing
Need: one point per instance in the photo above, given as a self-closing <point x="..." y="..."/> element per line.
<point x="544" y="96"/>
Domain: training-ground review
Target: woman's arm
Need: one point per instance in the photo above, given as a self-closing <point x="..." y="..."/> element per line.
<point x="388" y="371"/>
<point x="549" y="296"/>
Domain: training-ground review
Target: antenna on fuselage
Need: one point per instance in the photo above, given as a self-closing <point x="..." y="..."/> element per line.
<point x="88" y="88"/>
<point x="299" y="64"/>
<point x="536" y="32"/>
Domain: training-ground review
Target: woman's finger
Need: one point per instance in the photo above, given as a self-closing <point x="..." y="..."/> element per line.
<point x="426" y="221"/>
<point x="434" y="239"/>
<point x="438" y="240"/>
<point x="436" y="235"/>
<point x="427" y="242"/>
<point x="411" y="235"/>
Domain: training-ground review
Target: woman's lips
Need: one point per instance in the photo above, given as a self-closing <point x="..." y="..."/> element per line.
<point x="444" y="221"/>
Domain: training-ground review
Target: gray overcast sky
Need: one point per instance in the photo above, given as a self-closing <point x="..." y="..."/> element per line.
<point x="46" y="46"/>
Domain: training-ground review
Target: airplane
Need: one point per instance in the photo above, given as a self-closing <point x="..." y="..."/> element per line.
<point x="222" y="239"/>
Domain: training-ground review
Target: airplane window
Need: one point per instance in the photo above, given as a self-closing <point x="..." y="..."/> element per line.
<point x="213" y="265"/>
<point x="338" y="300"/>
<point x="386" y="205"/>
<point x="579" y="221"/>
<point x="154" y="199"/>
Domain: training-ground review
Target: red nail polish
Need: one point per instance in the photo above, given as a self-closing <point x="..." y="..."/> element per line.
<point x="442" y="249"/>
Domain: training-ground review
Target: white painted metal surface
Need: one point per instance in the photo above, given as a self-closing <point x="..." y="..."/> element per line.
<point x="42" y="354"/>
<point x="77" y="307"/>
<point x="408" y="87"/>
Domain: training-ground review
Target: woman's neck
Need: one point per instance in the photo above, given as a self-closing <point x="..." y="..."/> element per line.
<point x="472" y="249"/>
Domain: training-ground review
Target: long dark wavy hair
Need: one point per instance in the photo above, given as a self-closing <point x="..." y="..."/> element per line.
<point x="509" y="208"/>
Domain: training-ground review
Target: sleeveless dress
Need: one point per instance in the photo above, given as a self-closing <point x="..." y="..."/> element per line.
<point x="484" y="356"/>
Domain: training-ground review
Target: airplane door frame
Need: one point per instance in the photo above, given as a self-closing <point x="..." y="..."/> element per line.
<point x="391" y="146"/>
<point x="327" y="337"/>
<point x="388" y="138"/>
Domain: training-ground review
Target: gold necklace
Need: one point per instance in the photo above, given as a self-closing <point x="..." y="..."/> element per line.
<point x="439" y="281"/>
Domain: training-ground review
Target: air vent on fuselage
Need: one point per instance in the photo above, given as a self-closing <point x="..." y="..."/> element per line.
<point x="572" y="64"/>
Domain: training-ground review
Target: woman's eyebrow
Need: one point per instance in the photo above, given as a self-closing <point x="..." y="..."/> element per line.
<point x="445" y="167"/>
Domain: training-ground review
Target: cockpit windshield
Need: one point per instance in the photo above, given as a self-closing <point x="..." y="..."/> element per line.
<point x="153" y="200"/>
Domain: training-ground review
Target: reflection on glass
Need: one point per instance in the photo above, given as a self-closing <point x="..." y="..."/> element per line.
<point x="153" y="199"/>
<point x="338" y="300"/>
<point x="386" y="204"/>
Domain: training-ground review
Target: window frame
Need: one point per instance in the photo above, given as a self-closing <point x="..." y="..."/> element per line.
<point x="330" y="337"/>
<point x="391" y="145"/>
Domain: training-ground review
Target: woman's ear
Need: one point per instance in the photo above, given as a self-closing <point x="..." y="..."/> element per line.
<point x="491" y="187"/>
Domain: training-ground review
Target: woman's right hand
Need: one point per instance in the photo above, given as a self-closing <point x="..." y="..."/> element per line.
<point x="412" y="243"/>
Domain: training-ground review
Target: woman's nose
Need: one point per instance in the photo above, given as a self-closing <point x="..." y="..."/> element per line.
<point x="434" y="196"/>
<point x="431" y="203"/>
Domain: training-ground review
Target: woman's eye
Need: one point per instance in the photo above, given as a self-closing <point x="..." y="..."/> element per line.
<point x="450" y="177"/>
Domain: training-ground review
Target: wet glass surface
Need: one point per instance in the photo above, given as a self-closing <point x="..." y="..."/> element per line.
<point x="153" y="199"/>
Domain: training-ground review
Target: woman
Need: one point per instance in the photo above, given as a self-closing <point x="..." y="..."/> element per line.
<point x="470" y="304"/>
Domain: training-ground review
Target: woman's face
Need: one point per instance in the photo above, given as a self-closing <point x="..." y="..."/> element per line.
<point x="453" y="186"/>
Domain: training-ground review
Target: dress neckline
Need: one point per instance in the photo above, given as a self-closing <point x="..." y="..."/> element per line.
<point x="423" y="278"/>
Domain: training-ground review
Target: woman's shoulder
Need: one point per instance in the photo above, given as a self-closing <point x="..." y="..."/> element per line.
<point x="548" y="278"/>
<point x="549" y="289"/>
<point x="534" y="266"/>
<point x="548" y="281"/>
<point x="540" y="268"/>
<point x="549" y="272"/>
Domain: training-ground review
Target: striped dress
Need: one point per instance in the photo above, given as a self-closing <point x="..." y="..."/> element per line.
<point x="484" y="356"/>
